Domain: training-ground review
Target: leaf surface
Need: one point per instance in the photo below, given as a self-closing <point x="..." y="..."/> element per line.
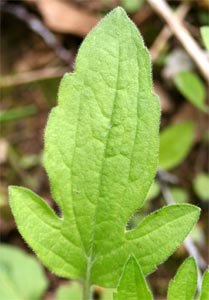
<point x="160" y="233"/>
<point x="184" y="284"/>
<point x="101" y="154"/>
<point x="175" y="143"/>
<point x="204" y="295"/>
<point x="132" y="284"/>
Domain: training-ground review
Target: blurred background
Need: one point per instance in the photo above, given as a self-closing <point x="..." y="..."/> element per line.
<point x="39" y="43"/>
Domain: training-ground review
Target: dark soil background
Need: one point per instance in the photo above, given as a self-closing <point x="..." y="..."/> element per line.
<point x="32" y="64"/>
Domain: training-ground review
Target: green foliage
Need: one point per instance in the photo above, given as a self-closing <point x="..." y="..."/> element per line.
<point x="132" y="283"/>
<point x="192" y="88"/>
<point x="204" y="295"/>
<point x="153" y="191"/>
<point x="72" y="291"/>
<point x="101" y="154"/>
<point x="17" y="113"/>
<point x="205" y="36"/>
<point x="183" y="286"/>
<point x="201" y="186"/>
<point x="179" y="195"/>
<point x="175" y="143"/>
<point x="131" y="6"/>
<point x="21" y="276"/>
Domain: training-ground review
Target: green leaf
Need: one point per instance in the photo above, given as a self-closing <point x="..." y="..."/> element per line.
<point x="72" y="291"/>
<point x="17" y="113"/>
<point x="101" y="154"/>
<point x="153" y="191"/>
<point x="131" y="6"/>
<point x="179" y="195"/>
<point x="204" y="295"/>
<point x="175" y="143"/>
<point x="201" y="186"/>
<point x="132" y="284"/>
<point x="160" y="233"/>
<point x="184" y="284"/>
<point x="204" y="30"/>
<point x="192" y="88"/>
<point x="18" y="273"/>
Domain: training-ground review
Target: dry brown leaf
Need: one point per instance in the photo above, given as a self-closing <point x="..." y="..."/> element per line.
<point x="65" y="17"/>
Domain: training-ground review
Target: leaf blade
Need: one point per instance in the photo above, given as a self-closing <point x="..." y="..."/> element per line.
<point x="161" y="233"/>
<point x="98" y="187"/>
<point x="204" y="295"/>
<point x="41" y="228"/>
<point x="132" y="284"/>
<point x="184" y="284"/>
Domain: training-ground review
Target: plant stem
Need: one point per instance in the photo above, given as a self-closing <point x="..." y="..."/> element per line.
<point x="87" y="295"/>
<point x="87" y="290"/>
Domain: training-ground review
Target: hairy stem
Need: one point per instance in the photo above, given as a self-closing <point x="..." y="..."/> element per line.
<point x="87" y="295"/>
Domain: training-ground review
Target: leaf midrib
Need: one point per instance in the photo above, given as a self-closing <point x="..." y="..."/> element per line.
<point x="90" y="257"/>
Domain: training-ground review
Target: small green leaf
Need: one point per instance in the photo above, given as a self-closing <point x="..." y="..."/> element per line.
<point x="204" y="30"/>
<point x="21" y="276"/>
<point x="204" y="295"/>
<point x="72" y="291"/>
<point x="131" y="6"/>
<point x="132" y="284"/>
<point x="201" y="186"/>
<point x="192" y="88"/>
<point x="184" y="284"/>
<point x="179" y="195"/>
<point x="153" y="191"/>
<point x="175" y="143"/>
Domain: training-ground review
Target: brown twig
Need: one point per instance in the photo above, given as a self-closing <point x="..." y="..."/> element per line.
<point x="166" y="33"/>
<point x="30" y="76"/>
<point x="184" y="37"/>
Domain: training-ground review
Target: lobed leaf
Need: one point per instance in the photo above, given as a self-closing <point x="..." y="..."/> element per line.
<point x="132" y="284"/>
<point x="184" y="284"/>
<point x="101" y="155"/>
<point x="175" y="143"/>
